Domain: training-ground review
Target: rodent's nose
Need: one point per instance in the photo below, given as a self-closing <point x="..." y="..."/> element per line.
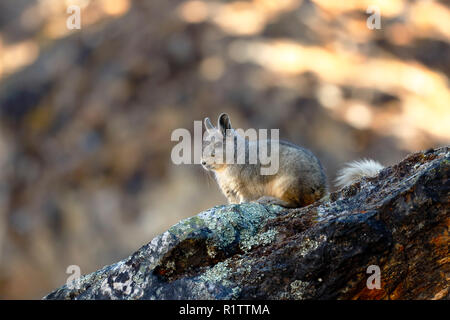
<point x="203" y="162"/>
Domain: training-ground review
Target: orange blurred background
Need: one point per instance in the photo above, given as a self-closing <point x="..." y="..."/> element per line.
<point x="86" y="115"/>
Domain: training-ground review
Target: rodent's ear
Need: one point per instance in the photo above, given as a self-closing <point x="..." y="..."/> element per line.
<point x="208" y="124"/>
<point x="224" y="123"/>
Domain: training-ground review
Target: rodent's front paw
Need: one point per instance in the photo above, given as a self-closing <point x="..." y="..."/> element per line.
<point x="272" y="200"/>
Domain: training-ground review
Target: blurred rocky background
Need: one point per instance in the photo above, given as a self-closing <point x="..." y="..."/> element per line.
<point x="86" y="115"/>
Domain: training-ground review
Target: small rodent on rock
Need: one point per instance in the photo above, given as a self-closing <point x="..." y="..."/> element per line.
<point x="299" y="181"/>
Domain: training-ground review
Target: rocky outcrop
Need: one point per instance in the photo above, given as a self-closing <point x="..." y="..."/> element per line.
<point x="397" y="221"/>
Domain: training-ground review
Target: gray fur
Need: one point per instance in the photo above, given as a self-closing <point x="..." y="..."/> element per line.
<point x="299" y="181"/>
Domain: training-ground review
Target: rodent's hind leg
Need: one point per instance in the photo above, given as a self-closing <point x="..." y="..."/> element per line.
<point x="276" y="201"/>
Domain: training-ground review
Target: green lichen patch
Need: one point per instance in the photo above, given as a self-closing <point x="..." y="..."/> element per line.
<point x="297" y="289"/>
<point x="249" y="241"/>
<point x="214" y="235"/>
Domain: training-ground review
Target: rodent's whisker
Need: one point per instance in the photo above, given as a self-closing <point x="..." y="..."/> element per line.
<point x="210" y="178"/>
<point x="206" y="174"/>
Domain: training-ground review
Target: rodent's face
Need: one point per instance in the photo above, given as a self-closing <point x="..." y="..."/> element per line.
<point x="215" y="143"/>
<point x="214" y="152"/>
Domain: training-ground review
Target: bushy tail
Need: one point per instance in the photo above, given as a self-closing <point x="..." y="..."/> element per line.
<point x="355" y="170"/>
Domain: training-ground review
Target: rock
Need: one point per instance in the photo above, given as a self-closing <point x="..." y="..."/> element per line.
<point x="397" y="221"/>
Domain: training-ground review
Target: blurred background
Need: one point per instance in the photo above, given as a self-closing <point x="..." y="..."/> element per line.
<point x="86" y="115"/>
